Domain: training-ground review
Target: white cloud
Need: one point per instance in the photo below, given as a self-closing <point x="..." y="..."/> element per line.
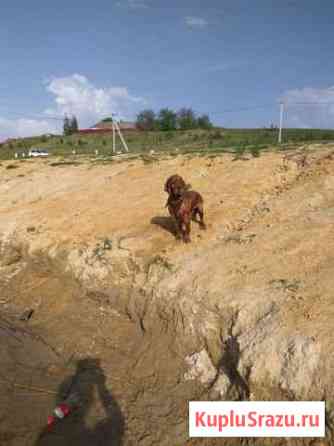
<point x="310" y="95"/>
<point x="309" y="107"/>
<point x="75" y="95"/>
<point x="15" y="128"/>
<point x="196" y="22"/>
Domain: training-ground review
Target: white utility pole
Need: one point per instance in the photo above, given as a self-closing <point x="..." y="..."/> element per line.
<point x="115" y="126"/>
<point x="281" y="122"/>
<point x="113" y="137"/>
<point x="121" y="136"/>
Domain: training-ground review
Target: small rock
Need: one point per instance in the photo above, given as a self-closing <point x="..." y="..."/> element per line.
<point x="107" y="244"/>
<point x="31" y="229"/>
<point x="26" y="315"/>
<point x="9" y="254"/>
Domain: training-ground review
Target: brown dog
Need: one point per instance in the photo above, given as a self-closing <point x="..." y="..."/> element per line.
<point x="184" y="209"/>
<point x="175" y="186"/>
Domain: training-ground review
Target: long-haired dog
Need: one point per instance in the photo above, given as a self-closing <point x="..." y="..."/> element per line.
<point x="184" y="209"/>
<point x="175" y="186"/>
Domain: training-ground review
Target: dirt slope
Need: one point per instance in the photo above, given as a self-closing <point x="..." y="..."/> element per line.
<point x="145" y="323"/>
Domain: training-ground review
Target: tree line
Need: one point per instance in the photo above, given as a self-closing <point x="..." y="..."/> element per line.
<point x="166" y="119"/>
<point x="70" y="125"/>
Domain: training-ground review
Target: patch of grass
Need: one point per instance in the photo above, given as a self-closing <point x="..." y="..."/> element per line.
<point x="286" y="285"/>
<point x="161" y="261"/>
<point x="98" y="252"/>
<point x="104" y="160"/>
<point x="239" y="238"/>
<point x="64" y="163"/>
<point x="148" y="159"/>
<point x="101" y="248"/>
<point x="217" y="134"/>
<point x="170" y="135"/>
<point x="239" y="152"/>
<point x="255" y="151"/>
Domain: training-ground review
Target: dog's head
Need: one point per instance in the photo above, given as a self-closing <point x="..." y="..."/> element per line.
<point x="172" y="179"/>
<point x="175" y="186"/>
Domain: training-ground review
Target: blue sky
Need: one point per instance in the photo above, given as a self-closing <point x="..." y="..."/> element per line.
<point x="92" y="58"/>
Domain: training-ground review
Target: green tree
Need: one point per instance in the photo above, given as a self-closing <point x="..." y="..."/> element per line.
<point x="74" y="125"/>
<point x="67" y="126"/>
<point x="167" y="119"/>
<point x="186" y="119"/>
<point x="146" y="120"/>
<point x="203" y="122"/>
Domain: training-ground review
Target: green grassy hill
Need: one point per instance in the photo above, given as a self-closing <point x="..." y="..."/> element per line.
<point x="184" y="141"/>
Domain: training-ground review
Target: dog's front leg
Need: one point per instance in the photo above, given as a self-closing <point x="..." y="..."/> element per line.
<point x="186" y="229"/>
<point x="179" y="231"/>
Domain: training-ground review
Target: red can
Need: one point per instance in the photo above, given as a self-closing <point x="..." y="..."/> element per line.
<point x="63" y="409"/>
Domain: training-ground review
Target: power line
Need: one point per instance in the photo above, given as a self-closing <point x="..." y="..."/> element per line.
<point x="263" y="107"/>
<point x="44" y="117"/>
<point x="215" y="112"/>
<point x="308" y="103"/>
<point x="259" y="107"/>
<point x="236" y="110"/>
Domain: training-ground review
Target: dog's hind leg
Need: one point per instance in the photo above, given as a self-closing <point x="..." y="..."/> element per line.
<point x="200" y="212"/>
<point x="193" y="214"/>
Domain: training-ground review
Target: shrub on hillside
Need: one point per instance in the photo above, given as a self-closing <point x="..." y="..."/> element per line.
<point x="146" y="120"/>
<point x="186" y="119"/>
<point x="167" y="119"/>
<point x="203" y="122"/>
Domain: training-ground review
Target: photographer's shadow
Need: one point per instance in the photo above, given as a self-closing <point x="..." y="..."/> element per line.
<point x="73" y="430"/>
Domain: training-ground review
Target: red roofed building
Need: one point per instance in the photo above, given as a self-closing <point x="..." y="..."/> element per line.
<point x="106" y="127"/>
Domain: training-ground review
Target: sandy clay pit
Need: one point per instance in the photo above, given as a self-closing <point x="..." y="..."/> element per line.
<point x="98" y="296"/>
